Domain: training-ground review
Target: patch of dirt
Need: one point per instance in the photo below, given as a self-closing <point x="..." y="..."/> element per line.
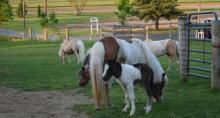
<point x="45" y="104"/>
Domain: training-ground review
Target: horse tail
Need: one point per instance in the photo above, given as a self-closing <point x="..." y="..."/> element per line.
<point x="96" y="70"/>
<point x="81" y="48"/>
<point x="177" y="49"/>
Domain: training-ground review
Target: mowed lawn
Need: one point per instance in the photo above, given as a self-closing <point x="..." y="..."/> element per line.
<point x="35" y="66"/>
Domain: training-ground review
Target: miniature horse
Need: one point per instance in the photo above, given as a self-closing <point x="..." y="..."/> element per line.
<point x="127" y="75"/>
<point x="167" y="47"/>
<point x="111" y="48"/>
<point x="72" y="47"/>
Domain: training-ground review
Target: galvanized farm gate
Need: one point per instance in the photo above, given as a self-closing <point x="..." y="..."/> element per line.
<point x="195" y="45"/>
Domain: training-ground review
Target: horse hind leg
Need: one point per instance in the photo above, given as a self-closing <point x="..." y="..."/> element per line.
<point x="170" y="63"/>
<point x="77" y="55"/>
<point x="108" y="88"/>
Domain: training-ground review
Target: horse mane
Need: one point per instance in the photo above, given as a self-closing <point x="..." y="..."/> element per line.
<point x="151" y="60"/>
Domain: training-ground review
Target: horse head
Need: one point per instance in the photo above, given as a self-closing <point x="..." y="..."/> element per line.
<point x="84" y="74"/>
<point x="157" y="89"/>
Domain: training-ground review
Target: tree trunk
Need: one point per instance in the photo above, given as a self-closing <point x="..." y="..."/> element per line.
<point x="157" y="24"/>
<point x="45" y="33"/>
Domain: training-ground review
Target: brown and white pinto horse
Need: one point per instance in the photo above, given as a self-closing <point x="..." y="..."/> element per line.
<point x="72" y="47"/>
<point x="111" y="48"/>
<point x="167" y="47"/>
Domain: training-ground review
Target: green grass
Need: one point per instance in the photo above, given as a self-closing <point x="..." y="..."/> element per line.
<point x="35" y="66"/>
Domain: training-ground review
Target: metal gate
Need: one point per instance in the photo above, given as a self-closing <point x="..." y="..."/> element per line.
<point x="199" y="44"/>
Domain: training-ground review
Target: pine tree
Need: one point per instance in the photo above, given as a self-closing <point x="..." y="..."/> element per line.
<point x="38" y="11"/>
<point x="156" y="9"/>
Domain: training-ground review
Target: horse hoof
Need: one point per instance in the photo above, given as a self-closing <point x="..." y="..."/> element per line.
<point x="147" y="109"/>
<point x="97" y="108"/>
<point x="125" y="110"/>
<point x="110" y="106"/>
<point x="131" y="114"/>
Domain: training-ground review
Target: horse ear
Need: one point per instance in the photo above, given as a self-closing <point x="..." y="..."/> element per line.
<point x="163" y="75"/>
<point x="163" y="80"/>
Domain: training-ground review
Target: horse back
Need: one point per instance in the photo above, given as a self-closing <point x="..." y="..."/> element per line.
<point x="111" y="48"/>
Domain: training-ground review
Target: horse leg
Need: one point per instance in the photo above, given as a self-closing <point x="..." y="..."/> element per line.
<point x="108" y="88"/>
<point x="77" y="55"/>
<point x="130" y="90"/>
<point x="170" y="63"/>
<point x="63" y="58"/>
<point x="127" y="102"/>
<point x="147" y="108"/>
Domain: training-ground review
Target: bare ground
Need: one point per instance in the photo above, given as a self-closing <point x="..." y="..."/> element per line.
<point x="45" y="104"/>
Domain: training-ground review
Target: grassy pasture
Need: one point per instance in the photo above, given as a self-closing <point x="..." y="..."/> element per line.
<point x="35" y="66"/>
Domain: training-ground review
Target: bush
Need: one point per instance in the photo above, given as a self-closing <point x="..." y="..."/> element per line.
<point x="5" y="11"/>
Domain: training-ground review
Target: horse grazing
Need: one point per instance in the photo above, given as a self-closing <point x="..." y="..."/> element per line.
<point x="84" y="76"/>
<point x="127" y="75"/>
<point x="72" y="47"/>
<point x="111" y="48"/>
<point x="167" y="47"/>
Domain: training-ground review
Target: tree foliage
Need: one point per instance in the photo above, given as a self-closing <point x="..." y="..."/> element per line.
<point x="19" y="10"/>
<point x="124" y="10"/>
<point x="38" y="11"/>
<point x="156" y="9"/>
<point x="5" y="11"/>
<point x="45" y="22"/>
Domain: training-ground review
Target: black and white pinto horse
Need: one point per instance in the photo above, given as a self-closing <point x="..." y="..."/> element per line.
<point x="111" y="48"/>
<point x="128" y="75"/>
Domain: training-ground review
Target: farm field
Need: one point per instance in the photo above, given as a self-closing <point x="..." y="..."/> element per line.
<point x="34" y="66"/>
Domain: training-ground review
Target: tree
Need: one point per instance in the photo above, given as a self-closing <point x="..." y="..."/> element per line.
<point x="5" y="11"/>
<point x="78" y="5"/>
<point x="124" y="9"/>
<point x="45" y="22"/>
<point x="156" y="9"/>
<point x="19" y="10"/>
<point x="38" y="11"/>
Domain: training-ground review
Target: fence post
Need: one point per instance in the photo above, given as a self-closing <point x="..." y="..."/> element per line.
<point x="147" y="29"/>
<point x="67" y="33"/>
<point x="215" y="68"/>
<point x="183" y="42"/>
<point x="30" y="33"/>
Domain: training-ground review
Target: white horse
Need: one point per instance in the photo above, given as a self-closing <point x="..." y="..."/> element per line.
<point x="135" y="52"/>
<point x="72" y="47"/>
<point x="167" y="47"/>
